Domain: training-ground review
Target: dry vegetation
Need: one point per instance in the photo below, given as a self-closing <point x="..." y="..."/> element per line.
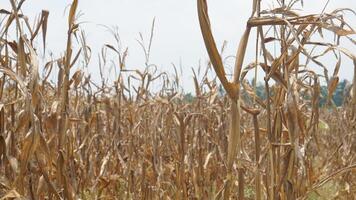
<point x="79" y="140"/>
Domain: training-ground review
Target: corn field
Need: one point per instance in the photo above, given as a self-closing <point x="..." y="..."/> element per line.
<point x="65" y="136"/>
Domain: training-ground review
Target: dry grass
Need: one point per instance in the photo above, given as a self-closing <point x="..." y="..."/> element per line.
<point x="79" y="140"/>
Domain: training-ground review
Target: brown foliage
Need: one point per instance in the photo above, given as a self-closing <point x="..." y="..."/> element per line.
<point x="79" y="140"/>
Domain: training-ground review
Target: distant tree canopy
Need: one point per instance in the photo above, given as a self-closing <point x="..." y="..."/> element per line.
<point x="338" y="97"/>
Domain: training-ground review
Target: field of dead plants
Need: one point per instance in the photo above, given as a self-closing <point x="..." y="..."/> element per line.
<point x="66" y="136"/>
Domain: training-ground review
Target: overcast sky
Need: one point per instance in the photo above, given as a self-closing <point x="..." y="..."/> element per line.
<point x="177" y="37"/>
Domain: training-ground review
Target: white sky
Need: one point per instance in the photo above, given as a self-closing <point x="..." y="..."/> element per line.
<point x="177" y="37"/>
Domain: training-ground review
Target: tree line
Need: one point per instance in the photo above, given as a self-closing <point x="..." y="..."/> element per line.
<point x="339" y="97"/>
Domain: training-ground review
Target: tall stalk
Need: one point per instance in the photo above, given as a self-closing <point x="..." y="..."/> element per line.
<point x="354" y="91"/>
<point x="233" y="90"/>
<point x="64" y="87"/>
